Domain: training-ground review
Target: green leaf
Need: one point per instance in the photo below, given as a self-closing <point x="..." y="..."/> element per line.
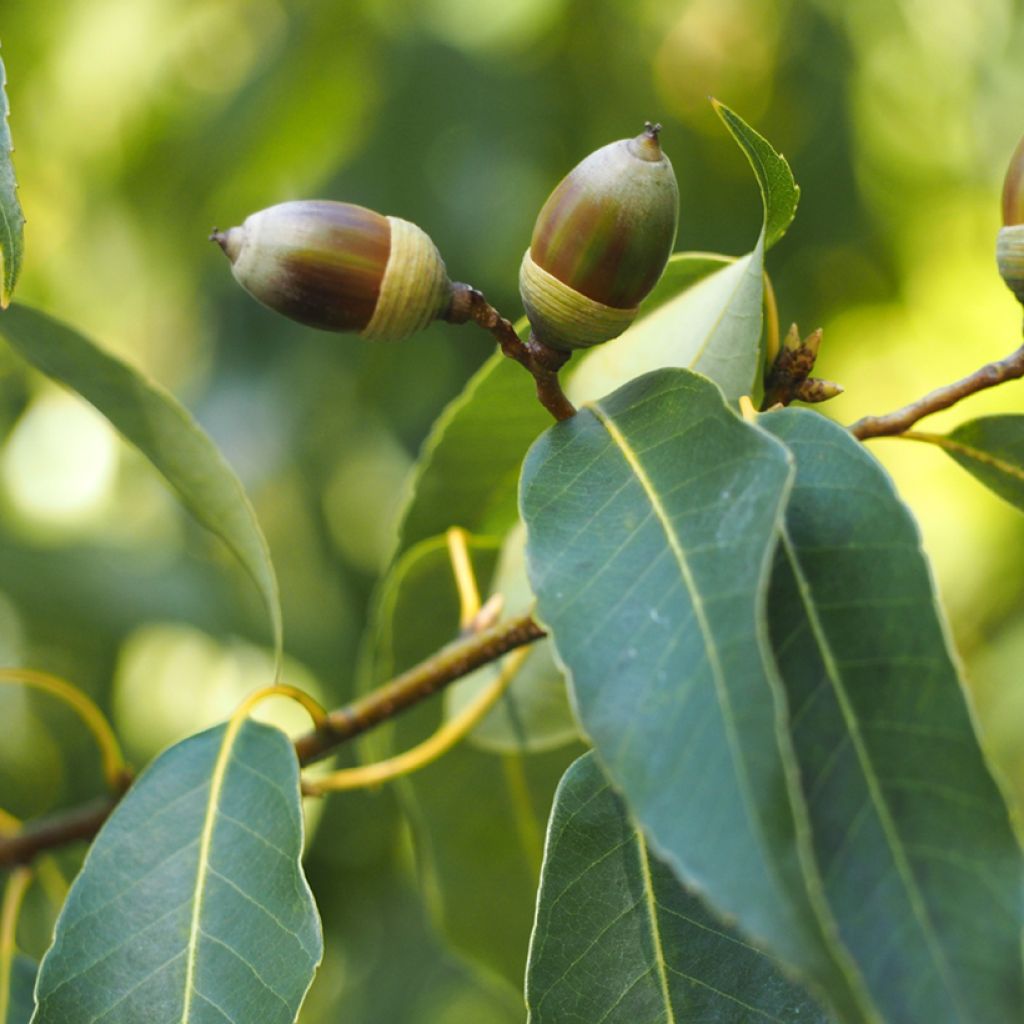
<point x="618" y="939"/>
<point x="12" y="221"/>
<point x="919" y="860"/>
<point x="683" y="270"/>
<point x="714" y="327"/>
<point x="191" y="905"/>
<point x="779" y="192"/>
<point x="652" y="518"/>
<point x="534" y="712"/>
<point x="991" y="449"/>
<point x="468" y="470"/>
<point x="478" y="818"/>
<point x="21" y="1001"/>
<point x="162" y="429"/>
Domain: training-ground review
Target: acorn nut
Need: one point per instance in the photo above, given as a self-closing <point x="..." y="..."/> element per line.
<point x="600" y="243"/>
<point x="339" y="267"/>
<point x="1010" y="241"/>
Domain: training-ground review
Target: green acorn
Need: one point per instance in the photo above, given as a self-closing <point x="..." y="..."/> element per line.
<point x="339" y="267"/>
<point x="1010" y="241"/>
<point x="600" y="243"/>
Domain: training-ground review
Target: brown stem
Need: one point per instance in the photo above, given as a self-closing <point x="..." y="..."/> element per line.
<point x="418" y="683"/>
<point x="1010" y="368"/>
<point x="468" y="305"/>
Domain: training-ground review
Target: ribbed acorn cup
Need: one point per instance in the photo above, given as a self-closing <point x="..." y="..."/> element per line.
<point x="1010" y="241"/>
<point x="339" y="267"/>
<point x="600" y="243"/>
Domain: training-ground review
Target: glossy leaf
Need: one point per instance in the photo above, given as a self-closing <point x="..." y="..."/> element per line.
<point x="652" y="518"/>
<point x="161" y="428"/>
<point x="534" y="713"/>
<point x="683" y="270"/>
<point x="478" y="818"/>
<point x="12" y="221"/>
<point x="991" y="449"/>
<point x="20" y="1001"/>
<point x="714" y="327"/>
<point x="919" y="861"/>
<point x="192" y="905"/>
<point x="780" y="194"/>
<point x="618" y="939"/>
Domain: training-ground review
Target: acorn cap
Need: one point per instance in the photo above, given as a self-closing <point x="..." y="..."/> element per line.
<point x="1010" y="241"/>
<point x="601" y="242"/>
<point x="339" y="267"/>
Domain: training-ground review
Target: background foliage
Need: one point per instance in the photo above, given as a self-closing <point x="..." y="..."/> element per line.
<point x="140" y="123"/>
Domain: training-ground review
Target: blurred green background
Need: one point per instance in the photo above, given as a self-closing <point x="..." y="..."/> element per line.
<point x="139" y="124"/>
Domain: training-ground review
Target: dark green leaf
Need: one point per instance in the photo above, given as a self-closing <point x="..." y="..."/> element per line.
<point x="21" y="1001"/>
<point x="12" y="221"/>
<point x="192" y="905"/>
<point x="991" y="449"/>
<point x="618" y="939"/>
<point x="161" y="428"/>
<point x="779" y="192"/>
<point x="478" y="818"/>
<point x="919" y="861"/>
<point x="652" y="518"/>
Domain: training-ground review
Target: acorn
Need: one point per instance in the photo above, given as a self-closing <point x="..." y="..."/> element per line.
<point x="339" y="267"/>
<point x="1010" y="241"/>
<point x="600" y="243"/>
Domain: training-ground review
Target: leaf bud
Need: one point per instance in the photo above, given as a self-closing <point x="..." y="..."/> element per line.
<point x="339" y="267"/>
<point x="1010" y="242"/>
<point x="600" y="243"/>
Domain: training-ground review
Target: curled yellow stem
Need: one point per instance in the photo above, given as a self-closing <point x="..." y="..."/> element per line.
<point x="430" y="749"/>
<point x="14" y="892"/>
<point x="315" y="709"/>
<point x="465" y="577"/>
<point x="114" y="767"/>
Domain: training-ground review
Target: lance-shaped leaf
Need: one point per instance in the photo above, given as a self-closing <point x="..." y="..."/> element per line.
<point x="478" y="817"/>
<point x="919" y="861"/>
<point x="12" y="221"/>
<point x="991" y="449"/>
<point x="191" y="905"/>
<point x="161" y="428"/>
<point x="618" y="939"/>
<point x="652" y="518"/>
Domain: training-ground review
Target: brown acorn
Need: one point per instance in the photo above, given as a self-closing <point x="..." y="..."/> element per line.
<point x="600" y="243"/>
<point x="339" y="267"/>
<point x="1010" y="241"/>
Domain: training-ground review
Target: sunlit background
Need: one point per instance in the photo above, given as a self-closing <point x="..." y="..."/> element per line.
<point x="139" y="124"/>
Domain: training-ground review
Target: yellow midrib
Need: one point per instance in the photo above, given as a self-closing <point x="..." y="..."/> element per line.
<point x="205" y="840"/>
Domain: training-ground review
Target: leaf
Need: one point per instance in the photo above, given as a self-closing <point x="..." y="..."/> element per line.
<point x="21" y="1001"/>
<point x="683" y="270"/>
<point x="991" y="449"/>
<point x="478" y="818"/>
<point x="780" y="194"/>
<point x="919" y="860"/>
<point x="534" y="712"/>
<point x="714" y="327"/>
<point x="652" y="517"/>
<point x="191" y="904"/>
<point x="468" y="470"/>
<point x="618" y="939"/>
<point x="162" y="429"/>
<point x="12" y="221"/>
